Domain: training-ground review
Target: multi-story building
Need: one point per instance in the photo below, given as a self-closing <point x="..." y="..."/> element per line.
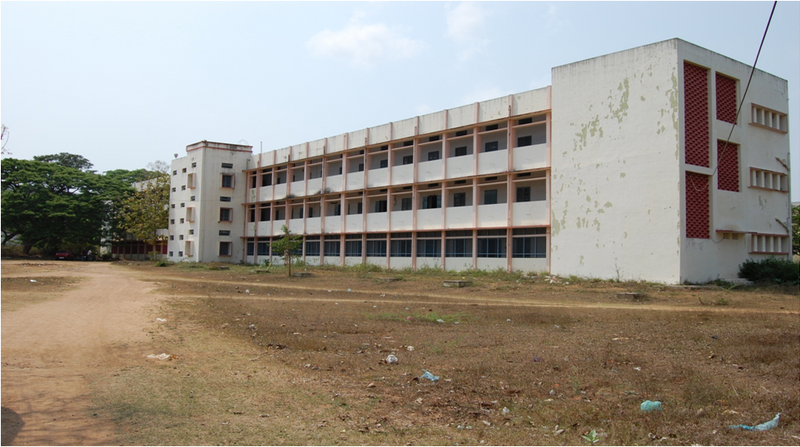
<point x="633" y="165"/>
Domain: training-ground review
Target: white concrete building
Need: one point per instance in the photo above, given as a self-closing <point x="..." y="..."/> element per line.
<point x="620" y="169"/>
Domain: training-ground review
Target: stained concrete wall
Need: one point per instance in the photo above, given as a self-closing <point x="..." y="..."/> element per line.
<point x="615" y="176"/>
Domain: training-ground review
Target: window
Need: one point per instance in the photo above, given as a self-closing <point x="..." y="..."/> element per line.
<point x="434" y="138"/>
<point x="769" y="119"/>
<point x="297" y="213"/>
<point x="182" y="220"/>
<point x="529" y="243"/>
<point x="194" y="164"/>
<point x="191" y="231"/>
<point x="333" y="245"/>
<point x="263" y="249"/>
<point x="227" y="165"/>
<point x="433" y="155"/>
<point x="524" y="194"/>
<point x="352" y="245"/>
<point x="357" y="209"/>
<point x="224" y="248"/>
<point x="227" y="181"/>
<point x="250" y="248"/>
<point x="401" y="245"/>
<point x="492" y="127"/>
<point x="769" y="244"/>
<point x="461" y="151"/>
<point x="183" y="205"/>
<point x="183" y="170"/>
<point x="490" y="146"/>
<point x="170" y="253"/>
<point x="461" y="133"/>
<point x="225" y="214"/>
<point x="224" y="232"/>
<point x="172" y="206"/>
<point x="279" y="213"/>
<point x="174" y="172"/>
<point x="524" y="141"/>
<point x="172" y="221"/>
<point x="408" y="159"/>
<point x="491" y="243"/>
<point x="180" y="253"/>
<point x="405" y="204"/>
<point x="266" y="180"/>
<point x="312" y="245"/>
<point x="337" y="209"/>
<point x="384" y="164"/>
<point x="183" y="187"/>
<point x="429" y="244"/>
<point x="380" y="206"/>
<point x="264" y="214"/>
<point x="459" y="244"/>
<point x="191" y="199"/>
<point x="408" y="143"/>
<point x="180" y="237"/>
<point x="376" y="244"/>
<point x="776" y="181"/>
<point x="252" y="214"/>
<point x="361" y="167"/>
<point x="172" y="237"/>
<point x="525" y="121"/>
<point x="174" y="189"/>
<point x="460" y="199"/>
<point x="432" y="201"/>
<point x="254" y="182"/>
<point x="490" y="197"/>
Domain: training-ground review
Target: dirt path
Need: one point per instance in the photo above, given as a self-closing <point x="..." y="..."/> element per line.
<point x="52" y="350"/>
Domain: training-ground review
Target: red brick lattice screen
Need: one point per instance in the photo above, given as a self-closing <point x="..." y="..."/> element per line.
<point x="728" y="166"/>
<point x="726" y="99"/>
<point x="695" y="97"/>
<point x="697" y="209"/>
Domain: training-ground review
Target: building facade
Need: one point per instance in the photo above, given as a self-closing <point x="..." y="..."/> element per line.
<point x="622" y="168"/>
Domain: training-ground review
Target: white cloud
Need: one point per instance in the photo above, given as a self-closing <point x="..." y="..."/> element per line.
<point x="363" y="45"/>
<point x="482" y="93"/>
<point x="465" y="25"/>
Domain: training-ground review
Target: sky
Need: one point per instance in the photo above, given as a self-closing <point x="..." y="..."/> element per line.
<point x="128" y="83"/>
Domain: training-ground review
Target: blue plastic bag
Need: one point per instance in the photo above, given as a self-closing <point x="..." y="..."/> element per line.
<point x="649" y="405"/>
<point x="769" y="425"/>
<point x="429" y="376"/>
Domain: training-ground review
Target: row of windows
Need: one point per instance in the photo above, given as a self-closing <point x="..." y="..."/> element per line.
<point x="431" y="201"/>
<point x="525" y="242"/>
<point x="194" y="165"/>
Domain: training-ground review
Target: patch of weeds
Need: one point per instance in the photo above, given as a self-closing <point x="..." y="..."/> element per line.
<point x="163" y="262"/>
<point x="721" y="302"/>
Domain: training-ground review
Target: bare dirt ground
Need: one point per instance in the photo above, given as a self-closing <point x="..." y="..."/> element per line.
<point x="266" y="359"/>
<point x="77" y="320"/>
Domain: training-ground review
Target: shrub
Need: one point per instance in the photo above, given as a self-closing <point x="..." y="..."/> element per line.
<point x="163" y="262"/>
<point x="772" y="270"/>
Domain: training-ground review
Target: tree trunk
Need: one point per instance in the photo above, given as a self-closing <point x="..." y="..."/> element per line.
<point x="287" y="257"/>
<point x="26" y="248"/>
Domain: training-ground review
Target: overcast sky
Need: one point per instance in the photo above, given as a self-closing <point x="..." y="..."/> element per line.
<point x="127" y="83"/>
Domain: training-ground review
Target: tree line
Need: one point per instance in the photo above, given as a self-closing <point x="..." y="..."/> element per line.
<point x="56" y="202"/>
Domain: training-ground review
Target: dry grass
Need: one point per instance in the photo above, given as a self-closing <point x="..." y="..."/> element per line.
<point x="288" y="362"/>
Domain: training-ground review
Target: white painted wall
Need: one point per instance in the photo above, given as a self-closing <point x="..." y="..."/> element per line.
<point x="615" y="177"/>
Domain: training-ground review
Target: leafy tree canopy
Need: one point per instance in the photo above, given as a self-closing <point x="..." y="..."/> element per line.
<point x="145" y="211"/>
<point x="287" y="246"/>
<point x="67" y="160"/>
<point x="796" y="229"/>
<point x="50" y="205"/>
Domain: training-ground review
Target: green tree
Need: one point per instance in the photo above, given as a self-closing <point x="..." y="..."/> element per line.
<point x="67" y="160"/>
<point x="146" y="210"/>
<point x="49" y="205"/>
<point x="289" y="244"/>
<point x="796" y="230"/>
